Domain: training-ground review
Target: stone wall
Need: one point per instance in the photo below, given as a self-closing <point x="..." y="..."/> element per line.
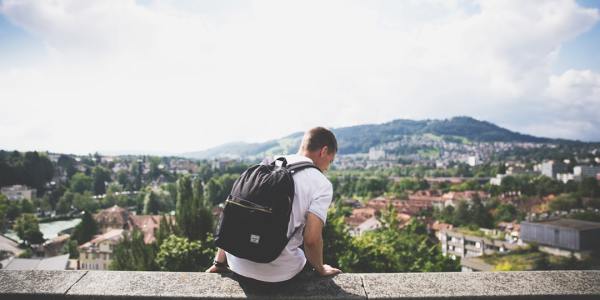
<point x="174" y="285"/>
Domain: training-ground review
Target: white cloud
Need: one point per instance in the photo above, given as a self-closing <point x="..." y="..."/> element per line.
<point x="121" y="75"/>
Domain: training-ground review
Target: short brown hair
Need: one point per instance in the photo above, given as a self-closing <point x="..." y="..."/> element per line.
<point x="317" y="138"/>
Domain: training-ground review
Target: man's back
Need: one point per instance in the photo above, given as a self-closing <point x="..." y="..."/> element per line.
<point x="313" y="193"/>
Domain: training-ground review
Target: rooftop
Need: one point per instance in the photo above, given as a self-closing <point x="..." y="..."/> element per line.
<point x="51" y="263"/>
<point x="570" y="223"/>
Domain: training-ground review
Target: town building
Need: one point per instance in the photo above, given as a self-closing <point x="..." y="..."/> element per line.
<point x="551" y="168"/>
<point x="563" y="237"/>
<point x="456" y="243"/>
<point x="473" y="161"/>
<point x="376" y="154"/>
<point x="498" y="179"/>
<point x="18" y="192"/>
<point x="565" y="177"/>
<point x="120" y="218"/>
<point x="580" y="172"/>
<point x="97" y="254"/>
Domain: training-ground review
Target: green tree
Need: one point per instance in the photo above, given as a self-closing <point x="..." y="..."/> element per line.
<point x="393" y="250"/>
<point x="182" y="255"/>
<point x="101" y="178"/>
<point x="86" y="229"/>
<point x="63" y="206"/>
<point x="203" y="218"/>
<point x="184" y="209"/>
<point x="3" y="211"/>
<point x="479" y="215"/>
<point x="27" y="206"/>
<point x="151" y="203"/>
<point x="28" y="229"/>
<point x="166" y="228"/>
<point x="80" y="183"/>
<point x="72" y="249"/>
<point x="132" y="254"/>
<point x="506" y="213"/>
<point x="85" y="202"/>
<point x="564" y="202"/>
<point x="194" y="219"/>
<point x="336" y="239"/>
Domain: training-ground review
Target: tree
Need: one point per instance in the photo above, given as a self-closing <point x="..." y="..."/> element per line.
<point x="3" y="209"/>
<point x="203" y="218"/>
<point x="461" y="214"/>
<point x="506" y="213"/>
<point x="166" y="228"/>
<point x="80" y="183"/>
<point x="28" y="229"/>
<point x="336" y="239"/>
<point x="71" y="247"/>
<point x="182" y="255"/>
<point x="63" y="206"/>
<point x="132" y="254"/>
<point x="393" y="250"/>
<point x="151" y="203"/>
<point x="194" y="219"/>
<point x="27" y="206"/>
<point x="101" y="177"/>
<point x="184" y="210"/>
<point x="85" y="202"/>
<point x="86" y="229"/>
<point x="564" y="202"/>
<point x="480" y="216"/>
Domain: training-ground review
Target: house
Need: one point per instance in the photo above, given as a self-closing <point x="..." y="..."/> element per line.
<point x="368" y="225"/>
<point x="120" y="218"/>
<point x="54" y="246"/>
<point x="438" y="227"/>
<point x="551" y="168"/>
<point x="581" y="172"/>
<point x="97" y="254"/>
<point x="452" y="198"/>
<point x="458" y="243"/>
<point x="563" y="237"/>
<point x="18" y="192"/>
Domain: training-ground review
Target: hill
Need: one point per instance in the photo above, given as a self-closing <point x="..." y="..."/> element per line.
<point x="360" y="138"/>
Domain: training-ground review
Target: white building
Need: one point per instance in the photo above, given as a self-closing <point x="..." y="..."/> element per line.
<point x="551" y="168"/>
<point x="580" y="172"/>
<point x="498" y="179"/>
<point x="18" y="192"/>
<point x="473" y="161"/>
<point x="376" y="154"/>
<point x="97" y="254"/>
<point x="565" y="177"/>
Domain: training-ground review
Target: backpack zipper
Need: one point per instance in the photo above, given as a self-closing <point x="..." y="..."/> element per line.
<point x="253" y="206"/>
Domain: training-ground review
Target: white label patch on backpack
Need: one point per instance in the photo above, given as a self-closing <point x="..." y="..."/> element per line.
<point x="254" y="238"/>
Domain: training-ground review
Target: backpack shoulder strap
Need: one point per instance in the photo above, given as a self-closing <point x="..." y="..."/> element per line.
<point x="299" y="166"/>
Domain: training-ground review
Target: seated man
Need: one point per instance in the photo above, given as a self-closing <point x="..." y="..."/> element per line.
<point x="312" y="197"/>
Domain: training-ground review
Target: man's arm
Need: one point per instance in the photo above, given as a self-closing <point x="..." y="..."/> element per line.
<point x="313" y="245"/>
<point x="221" y="258"/>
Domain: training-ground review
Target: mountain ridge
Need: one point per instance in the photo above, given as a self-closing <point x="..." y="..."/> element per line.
<point x="360" y="138"/>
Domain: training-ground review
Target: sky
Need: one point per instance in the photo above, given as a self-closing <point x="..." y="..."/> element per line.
<point x="179" y="76"/>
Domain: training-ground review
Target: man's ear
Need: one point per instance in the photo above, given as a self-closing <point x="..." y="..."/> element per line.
<point x="324" y="151"/>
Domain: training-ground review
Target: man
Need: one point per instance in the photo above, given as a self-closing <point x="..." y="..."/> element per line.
<point x="312" y="197"/>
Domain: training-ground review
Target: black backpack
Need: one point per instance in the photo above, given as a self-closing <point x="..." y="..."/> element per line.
<point x="254" y="222"/>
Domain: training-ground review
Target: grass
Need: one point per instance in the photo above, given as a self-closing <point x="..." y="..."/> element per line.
<point x="515" y="261"/>
<point x="479" y="233"/>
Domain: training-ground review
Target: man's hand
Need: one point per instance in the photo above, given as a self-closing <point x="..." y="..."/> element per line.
<point x="215" y="269"/>
<point x="329" y="271"/>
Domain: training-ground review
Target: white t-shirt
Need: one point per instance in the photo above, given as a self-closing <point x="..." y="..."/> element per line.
<point x="313" y="193"/>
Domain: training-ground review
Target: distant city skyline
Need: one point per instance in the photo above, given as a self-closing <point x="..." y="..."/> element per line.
<point x="175" y="76"/>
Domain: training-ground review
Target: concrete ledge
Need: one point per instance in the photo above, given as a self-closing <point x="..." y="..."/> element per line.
<point x="173" y="285"/>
